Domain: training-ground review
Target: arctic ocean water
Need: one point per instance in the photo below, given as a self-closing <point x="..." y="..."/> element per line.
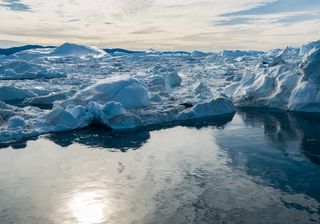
<point x="256" y="167"/>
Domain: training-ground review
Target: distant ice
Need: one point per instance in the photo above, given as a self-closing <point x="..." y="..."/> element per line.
<point x="65" y="50"/>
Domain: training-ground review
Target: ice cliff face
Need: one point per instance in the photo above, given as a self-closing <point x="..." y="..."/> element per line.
<point x="73" y="86"/>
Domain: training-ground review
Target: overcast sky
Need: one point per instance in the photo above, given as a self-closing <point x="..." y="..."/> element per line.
<point x="206" y="25"/>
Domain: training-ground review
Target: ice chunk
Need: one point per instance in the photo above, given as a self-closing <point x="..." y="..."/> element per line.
<point x="11" y="92"/>
<point x="201" y="88"/>
<point x="304" y="49"/>
<point x="271" y="60"/>
<point x="306" y="96"/>
<point x="27" y="70"/>
<point x="311" y="66"/>
<point x="163" y="79"/>
<point x="60" y="119"/>
<point x="131" y="93"/>
<point x="102" y="113"/>
<point x="16" y="122"/>
<point x="217" y="106"/>
<point x="125" y="121"/>
<point x="46" y="100"/>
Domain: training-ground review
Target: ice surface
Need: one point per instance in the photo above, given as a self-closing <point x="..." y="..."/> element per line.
<point x="19" y="69"/>
<point x="289" y="86"/>
<point x="8" y="93"/>
<point x="74" y="86"/>
<point x="131" y="93"/>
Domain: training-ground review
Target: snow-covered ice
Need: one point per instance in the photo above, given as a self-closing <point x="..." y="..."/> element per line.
<point x="73" y="86"/>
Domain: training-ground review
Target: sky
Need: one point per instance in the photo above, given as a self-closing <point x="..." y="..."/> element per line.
<point x="207" y="25"/>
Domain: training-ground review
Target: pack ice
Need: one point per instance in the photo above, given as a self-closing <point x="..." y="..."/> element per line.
<point x="73" y="86"/>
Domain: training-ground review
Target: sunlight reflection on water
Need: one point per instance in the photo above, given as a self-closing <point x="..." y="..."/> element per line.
<point x="89" y="207"/>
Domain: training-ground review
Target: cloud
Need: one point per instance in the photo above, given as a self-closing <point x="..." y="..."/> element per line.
<point x="15" y="5"/>
<point x="162" y="24"/>
<point x="279" y="6"/>
<point x="8" y="43"/>
<point x="149" y="30"/>
<point x="235" y="21"/>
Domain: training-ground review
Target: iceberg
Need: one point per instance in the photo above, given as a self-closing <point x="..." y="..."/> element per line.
<point x="294" y="87"/>
<point x="64" y="50"/>
<point x="75" y="50"/>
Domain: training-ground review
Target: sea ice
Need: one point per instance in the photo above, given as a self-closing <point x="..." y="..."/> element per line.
<point x="11" y="92"/>
<point x="124" y="91"/>
<point x="19" y="69"/>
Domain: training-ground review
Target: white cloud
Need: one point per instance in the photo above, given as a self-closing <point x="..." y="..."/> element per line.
<point x="140" y="24"/>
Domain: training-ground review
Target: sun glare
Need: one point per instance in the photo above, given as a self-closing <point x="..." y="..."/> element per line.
<point x="89" y="207"/>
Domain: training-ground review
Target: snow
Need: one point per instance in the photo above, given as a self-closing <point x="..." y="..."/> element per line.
<point x="73" y="86"/>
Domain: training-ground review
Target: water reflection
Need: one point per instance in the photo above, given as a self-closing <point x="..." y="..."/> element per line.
<point x="99" y="137"/>
<point x="255" y="169"/>
<point x="282" y="128"/>
<point x="281" y="149"/>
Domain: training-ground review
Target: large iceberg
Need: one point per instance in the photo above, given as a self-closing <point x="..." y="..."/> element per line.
<point x="281" y="85"/>
<point x="64" y="50"/>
